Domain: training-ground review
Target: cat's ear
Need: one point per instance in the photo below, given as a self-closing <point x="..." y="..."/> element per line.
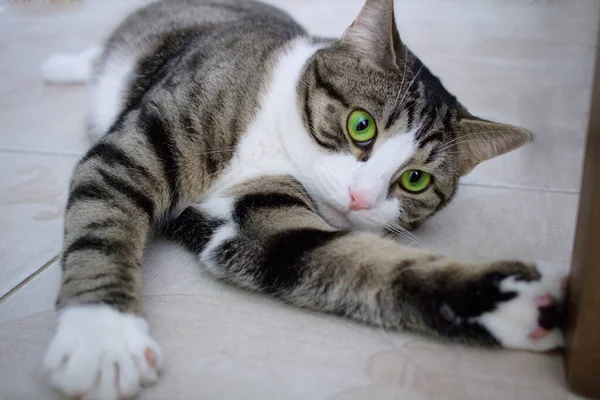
<point x="480" y="140"/>
<point x="373" y="33"/>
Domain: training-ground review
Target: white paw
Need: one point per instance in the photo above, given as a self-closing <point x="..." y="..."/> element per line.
<point x="69" y="68"/>
<point x="100" y="353"/>
<point x="517" y="323"/>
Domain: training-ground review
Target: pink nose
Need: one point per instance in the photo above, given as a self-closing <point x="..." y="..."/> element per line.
<point x="359" y="201"/>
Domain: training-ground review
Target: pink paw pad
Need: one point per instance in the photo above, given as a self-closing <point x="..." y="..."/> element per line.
<point x="150" y="357"/>
<point x="546" y="304"/>
<point x="538" y="333"/>
<point x="544" y="301"/>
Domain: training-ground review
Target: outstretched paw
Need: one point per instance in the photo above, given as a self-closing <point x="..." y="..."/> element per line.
<point x="531" y="317"/>
<point x="100" y="353"/>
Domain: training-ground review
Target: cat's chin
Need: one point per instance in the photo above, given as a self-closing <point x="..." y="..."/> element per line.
<point x="334" y="217"/>
<point x="345" y="221"/>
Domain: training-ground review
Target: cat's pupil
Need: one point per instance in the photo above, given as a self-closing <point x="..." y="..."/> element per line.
<point x="415" y="176"/>
<point x="362" y="125"/>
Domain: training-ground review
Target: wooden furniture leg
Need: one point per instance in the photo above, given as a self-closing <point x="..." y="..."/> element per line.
<point x="582" y="354"/>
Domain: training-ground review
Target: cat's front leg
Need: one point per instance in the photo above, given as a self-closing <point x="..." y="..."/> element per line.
<point x="273" y="241"/>
<point x="516" y="305"/>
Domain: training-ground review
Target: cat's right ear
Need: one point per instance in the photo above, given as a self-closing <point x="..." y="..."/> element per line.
<point x="479" y="140"/>
<point x="374" y="33"/>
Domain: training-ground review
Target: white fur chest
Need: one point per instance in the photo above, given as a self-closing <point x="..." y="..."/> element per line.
<point x="261" y="150"/>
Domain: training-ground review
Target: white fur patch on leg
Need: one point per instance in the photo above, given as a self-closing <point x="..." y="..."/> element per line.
<point x="207" y="256"/>
<point x="514" y="322"/>
<point x="217" y="206"/>
<point x="70" y="68"/>
<point x="101" y="353"/>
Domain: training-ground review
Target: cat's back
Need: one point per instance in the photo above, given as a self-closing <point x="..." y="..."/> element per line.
<point x="214" y="54"/>
<point x="177" y="17"/>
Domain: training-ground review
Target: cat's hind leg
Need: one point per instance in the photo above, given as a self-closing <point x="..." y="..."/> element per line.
<point x="102" y="348"/>
<point x="274" y="241"/>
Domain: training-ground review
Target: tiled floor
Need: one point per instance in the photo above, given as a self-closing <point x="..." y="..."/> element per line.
<point x="527" y="62"/>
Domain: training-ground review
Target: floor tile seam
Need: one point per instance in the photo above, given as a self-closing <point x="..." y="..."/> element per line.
<point x="28" y="279"/>
<point x="520" y="188"/>
<point x="16" y="150"/>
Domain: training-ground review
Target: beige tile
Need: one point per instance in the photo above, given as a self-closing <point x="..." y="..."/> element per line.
<point x="38" y="117"/>
<point x="37" y="296"/>
<point x="46" y="119"/>
<point x="22" y="346"/>
<point x="485" y="223"/>
<point x="426" y="370"/>
<point x="293" y="356"/>
<point x="32" y="195"/>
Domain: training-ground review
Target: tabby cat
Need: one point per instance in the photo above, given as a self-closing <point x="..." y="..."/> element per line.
<point x="279" y="159"/>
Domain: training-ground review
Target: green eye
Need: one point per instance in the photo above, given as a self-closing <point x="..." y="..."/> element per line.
<point x="415" y="181"/>
<point x="361" y="127"/>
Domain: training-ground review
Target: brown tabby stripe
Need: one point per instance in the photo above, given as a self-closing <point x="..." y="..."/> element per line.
<point x="309" y="119"/>
<point x="192" y="228"/>
<point x="322" y="83"/>
<point x="163" y="144"/>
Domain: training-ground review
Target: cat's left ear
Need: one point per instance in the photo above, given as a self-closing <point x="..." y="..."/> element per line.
<point x="373" y="33"/>
<point x="480" y="140"/>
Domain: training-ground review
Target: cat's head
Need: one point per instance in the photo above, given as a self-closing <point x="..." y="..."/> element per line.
<point x="389" y="142"/>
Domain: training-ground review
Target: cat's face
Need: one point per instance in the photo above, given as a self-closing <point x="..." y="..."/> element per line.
<point x="389" y="142"/>
<point x="375" y="129"/>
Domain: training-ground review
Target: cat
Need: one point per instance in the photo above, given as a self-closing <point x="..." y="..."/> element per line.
<point x="279" y="159"/>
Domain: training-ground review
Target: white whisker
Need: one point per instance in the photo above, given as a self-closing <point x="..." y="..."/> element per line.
<point x="450" y="146"/>
<point x="462" y="138"/>
<point x="403" y="77"/>
<point x="407" y="235"/>
<point x="409" y="85"/>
